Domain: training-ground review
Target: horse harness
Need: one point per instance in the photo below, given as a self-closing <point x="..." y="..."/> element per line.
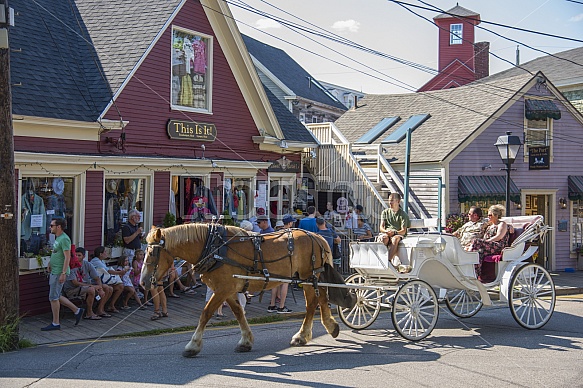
<point x="214" y="255"/>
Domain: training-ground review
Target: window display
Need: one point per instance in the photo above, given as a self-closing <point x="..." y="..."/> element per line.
<point x="43" y="199"/>
<point x="237" y="198"/>
<point x="195" y="201"/>
<point x="121" y="196"/>
<point x="190" y="70"/>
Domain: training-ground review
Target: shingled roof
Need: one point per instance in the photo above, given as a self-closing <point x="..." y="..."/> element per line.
<point x="292" y="128"/>
<point x="289" y="72"/>
<point x="457" y="11"/>
<point x="559" y="67"/>
<point x="455" y="115"/>
<point x="66" y="45"/>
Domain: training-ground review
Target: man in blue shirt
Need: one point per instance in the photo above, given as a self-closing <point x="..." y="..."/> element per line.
<point x="309" y="223"/>
<point x="329" y="235"/>
<point x="263" y="223"/>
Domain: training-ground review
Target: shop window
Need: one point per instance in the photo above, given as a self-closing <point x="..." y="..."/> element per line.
<point x="281" y="195"/>
<point x="195" y="201"/>
<point x="121" y="196"/>
<point x="238" y="200"/>
<point x="44" y="199"/>
<point x="191" y="71"/>
<point x="484" y="205"/>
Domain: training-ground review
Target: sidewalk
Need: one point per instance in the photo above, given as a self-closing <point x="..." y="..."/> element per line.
<point x="184" y="312"/>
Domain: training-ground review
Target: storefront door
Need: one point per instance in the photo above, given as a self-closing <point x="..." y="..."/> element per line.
<point x="540" y="203"/>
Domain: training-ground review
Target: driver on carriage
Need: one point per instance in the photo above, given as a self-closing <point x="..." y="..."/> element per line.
<point x="394" y="225"/>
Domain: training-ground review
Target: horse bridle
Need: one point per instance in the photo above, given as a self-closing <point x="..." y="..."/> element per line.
<point x="156" y="248"/>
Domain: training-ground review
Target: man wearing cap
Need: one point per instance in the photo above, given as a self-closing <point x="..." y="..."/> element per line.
<point x="132" y="234"/>
<point x="263" y="223"/>
<point x="288" y="221"/>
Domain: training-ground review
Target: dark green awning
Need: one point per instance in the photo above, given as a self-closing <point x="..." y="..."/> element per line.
<point x="541" y="109"/>
<point x="484" y="188"/>
<point x="575" y="188"/>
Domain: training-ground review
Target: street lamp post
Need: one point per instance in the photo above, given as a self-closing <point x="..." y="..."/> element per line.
<point x="508" y="147"/>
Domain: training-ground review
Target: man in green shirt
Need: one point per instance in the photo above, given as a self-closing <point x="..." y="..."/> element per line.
<point x="394" y="225"/>
<point x="59" y="269"/>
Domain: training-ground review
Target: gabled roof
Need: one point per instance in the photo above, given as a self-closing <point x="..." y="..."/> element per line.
<point x="78" y="54"/>
<point x="457" y="11"/>
<point x="456" y="114"/>
<point x="559" y="71"/>
<point x="290" y="73"/>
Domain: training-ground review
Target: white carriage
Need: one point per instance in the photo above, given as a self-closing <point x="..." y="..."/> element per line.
<point x="438" y="262"/>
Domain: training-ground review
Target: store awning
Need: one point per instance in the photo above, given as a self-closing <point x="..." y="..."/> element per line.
<point x="541" y="109"/>
<point x="484" y="188"/>
<point x="575" y="188"/>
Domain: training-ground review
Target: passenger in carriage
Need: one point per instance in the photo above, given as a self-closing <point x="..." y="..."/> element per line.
<point x="394" y="225"/>
<point x="363" y="232"/>
<point x="474" y="228"/>
<point x="495" y="238"/>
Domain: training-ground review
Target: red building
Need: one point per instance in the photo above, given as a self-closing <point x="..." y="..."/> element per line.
<point x="461" y="61"/>
<point x="155" y="107"/>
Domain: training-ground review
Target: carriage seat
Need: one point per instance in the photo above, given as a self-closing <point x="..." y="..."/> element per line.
<point x="513" y="251"/>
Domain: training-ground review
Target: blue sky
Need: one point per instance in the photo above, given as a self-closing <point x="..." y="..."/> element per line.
<point x="387" y="27"/>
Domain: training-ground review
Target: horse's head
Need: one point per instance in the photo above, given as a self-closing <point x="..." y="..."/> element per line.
<point x="157" y="261"/>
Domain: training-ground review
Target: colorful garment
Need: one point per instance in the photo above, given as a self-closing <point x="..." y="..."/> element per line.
<point x="489" y="248"/>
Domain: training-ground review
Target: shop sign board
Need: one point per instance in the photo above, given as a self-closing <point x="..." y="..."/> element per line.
<point x="190" y="130"/>
<point x="538" y="158"/>
<point x="284" y="165"/>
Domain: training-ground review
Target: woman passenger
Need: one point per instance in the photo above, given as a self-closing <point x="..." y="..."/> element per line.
<point x="495" y="238"/>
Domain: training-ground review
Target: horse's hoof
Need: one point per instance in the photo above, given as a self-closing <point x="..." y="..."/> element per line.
<point x="298" y="342"/>
<point x="336" y="331"/>
<point x="243" y="348"/>
<point x="189" y="353"/>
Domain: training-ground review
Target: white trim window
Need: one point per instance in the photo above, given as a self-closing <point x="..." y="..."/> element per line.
<point x="191" y="83"/>
<point x="456" y="33"/>
<point x="538" y="133"/>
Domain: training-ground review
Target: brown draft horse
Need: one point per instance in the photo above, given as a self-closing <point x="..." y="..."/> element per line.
<point x="286" y="254"/>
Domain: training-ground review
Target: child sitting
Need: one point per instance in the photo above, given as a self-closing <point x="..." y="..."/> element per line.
<point x="128" y="286"/>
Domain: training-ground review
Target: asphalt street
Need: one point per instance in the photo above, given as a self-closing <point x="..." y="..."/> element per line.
<point x="489" y="349"/>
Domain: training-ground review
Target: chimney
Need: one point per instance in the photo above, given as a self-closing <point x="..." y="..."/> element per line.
<point x="355" y="102"/>
<point x="482" y="59"/>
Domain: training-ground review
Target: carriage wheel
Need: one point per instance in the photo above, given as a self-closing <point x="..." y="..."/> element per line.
<point x="463" y="303"/>
<point x="415" y="310"/>
<point x="366" y="309"/>
<point x="532" y="296"/>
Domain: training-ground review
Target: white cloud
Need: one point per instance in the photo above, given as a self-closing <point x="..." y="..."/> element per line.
<point x="346" y="25"/>
<point x="577" y="18"/>
<point x="264" y="24"/>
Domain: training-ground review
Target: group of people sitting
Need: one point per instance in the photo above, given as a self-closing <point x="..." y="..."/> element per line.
<point x="486" y="237"/>
<point x="94" y="281"/>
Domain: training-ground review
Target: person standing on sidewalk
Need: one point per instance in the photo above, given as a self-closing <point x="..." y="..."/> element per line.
<point x="279" y="293"/>
<point x="59" y="269"/>
<point x="131" y="232"/>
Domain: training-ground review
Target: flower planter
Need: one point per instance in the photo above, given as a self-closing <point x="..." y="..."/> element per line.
<point x="32" y="262"/>
<point x="114" y="252"/>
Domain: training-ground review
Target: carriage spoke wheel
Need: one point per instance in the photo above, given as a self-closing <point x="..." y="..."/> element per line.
<point x="532" y="296"/>
<point x="463" y="303"/>
<point x="415" y="310"/>
<point x="366" y="309"/>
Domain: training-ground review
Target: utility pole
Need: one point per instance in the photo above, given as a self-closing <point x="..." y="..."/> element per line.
<point x="8" y="230"/>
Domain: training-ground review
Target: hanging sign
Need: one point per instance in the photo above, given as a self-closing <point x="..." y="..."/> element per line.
<point x="284" y="165"/>
<point x="190" y="130"/>
<point x="538" y="158"/>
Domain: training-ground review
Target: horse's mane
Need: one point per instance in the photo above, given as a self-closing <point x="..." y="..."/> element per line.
<point x="175" y="235"/>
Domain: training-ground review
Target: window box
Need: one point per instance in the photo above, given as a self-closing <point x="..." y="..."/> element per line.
<point x="32" y="262"/>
